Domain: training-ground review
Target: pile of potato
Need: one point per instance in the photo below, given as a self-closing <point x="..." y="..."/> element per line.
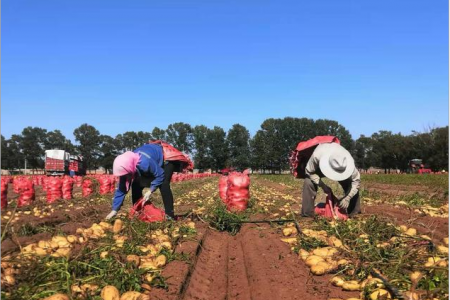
<point x="108" y="293"/>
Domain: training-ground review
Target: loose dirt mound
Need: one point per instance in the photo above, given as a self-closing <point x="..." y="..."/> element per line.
<point x="436" y="228"/>
<point x="254" y="264"/>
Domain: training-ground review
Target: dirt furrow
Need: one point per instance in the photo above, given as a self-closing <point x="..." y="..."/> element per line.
<point x="209" y="278"/>
<point x="238" y="284"/>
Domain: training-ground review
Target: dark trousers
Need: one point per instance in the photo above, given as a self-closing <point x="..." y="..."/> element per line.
<point x="143" y="182"/>
<point x="310" y="192"/>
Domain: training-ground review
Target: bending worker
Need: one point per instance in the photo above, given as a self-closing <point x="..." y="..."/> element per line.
<point x="333" y="161"/>
<point x="141" y="168"/>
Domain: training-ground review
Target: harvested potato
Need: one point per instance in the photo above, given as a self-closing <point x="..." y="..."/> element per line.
<point x="337" y="281"/>
<point x="160" y="261"/>
<point x="320" y="268"/>
<point x="313" y="260"/>
<point x="110" y="292"/>
<point x="325" y="252"/>
<point x="133" y="259"/>
<point x="290" y="241"/>
<point x="303" y="254"/>
<point x="415" y="276"/>
<point x="289" y="231"/>
<point x="351" y="285"/>
<point x="411" y="232"/>
<point x="380" y="294"/>
<point x="442" y="249"/>
<point x="118" y="224"/>
<point x="130" y="296"/>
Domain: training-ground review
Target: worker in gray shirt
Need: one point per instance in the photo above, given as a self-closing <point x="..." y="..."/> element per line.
<point x="333" y="161"/>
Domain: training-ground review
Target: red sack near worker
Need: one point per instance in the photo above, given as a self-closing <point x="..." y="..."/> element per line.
<point x="17" y="181"/>
<point x="26" y="192"/>
<point x="329" y="209"/>
<point x="78" y="181"/>
<point x="4" y="190"/>
<point x="88" y="187"/>
<point x="171" y="154"/>
<point x="67" y="187"/>
<point x="223" y="187"/>
<point x="146" y="212"/>
<point x="238" y="191"/>
<point x="304" y="150"/>
<point x="54" y="189"/>
<point x="105" y="185"/>
<point x="113" y="183"/>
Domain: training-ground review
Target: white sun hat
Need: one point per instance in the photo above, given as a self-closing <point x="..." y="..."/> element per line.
<point x="336" y="163"/>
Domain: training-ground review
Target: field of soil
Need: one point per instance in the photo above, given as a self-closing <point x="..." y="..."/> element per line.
<point x="251" y="263"/>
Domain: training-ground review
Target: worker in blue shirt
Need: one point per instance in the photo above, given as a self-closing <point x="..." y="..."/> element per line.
<point x="141" y="168"/>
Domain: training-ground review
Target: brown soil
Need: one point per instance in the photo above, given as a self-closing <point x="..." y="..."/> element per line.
<point x="60" y="220"/>
<point x="404" y="190"/>
<point x="254" y="264"/>
<point x="436" y="228"/>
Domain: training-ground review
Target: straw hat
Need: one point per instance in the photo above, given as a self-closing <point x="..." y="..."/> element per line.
<point x="336" y="163"/>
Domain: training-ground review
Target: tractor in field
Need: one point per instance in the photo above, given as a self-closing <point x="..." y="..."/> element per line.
<point x="416" y="166"/>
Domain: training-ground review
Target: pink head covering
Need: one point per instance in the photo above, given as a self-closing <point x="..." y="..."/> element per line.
<point x="125" y="164"/>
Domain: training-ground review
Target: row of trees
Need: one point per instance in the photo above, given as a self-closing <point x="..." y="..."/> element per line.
<point x="214" y="148"/>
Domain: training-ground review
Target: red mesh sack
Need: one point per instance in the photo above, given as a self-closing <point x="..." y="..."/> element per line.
<point x="238" y="191"/>
<point x="54" y="189"/>
<point x="17" y="181"/>
<point x="4" y="190"/>
<point x="223" y="187"/>
<point x="172" y="153"/>
<point x="113" y="184"/>
<point x="105" y="185"/>
<point x="78" y="181"/>
<point x="26" y="192"/>
<point x="304" y="151"/>
<point x="146" y="212"/>
<point x="88" y="187"/>
<point x="67" y="187"/>
<point x="329" y="209"/>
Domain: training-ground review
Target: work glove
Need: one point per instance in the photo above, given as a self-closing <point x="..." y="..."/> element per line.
<point x="344" y="203"/>
<point x="147" y="196"/>
<point x="112" y="214"/>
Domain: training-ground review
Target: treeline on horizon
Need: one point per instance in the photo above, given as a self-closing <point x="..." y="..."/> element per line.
<point x="213" y="148"/>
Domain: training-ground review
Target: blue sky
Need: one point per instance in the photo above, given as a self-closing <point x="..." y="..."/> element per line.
<point x="133" y="65"/>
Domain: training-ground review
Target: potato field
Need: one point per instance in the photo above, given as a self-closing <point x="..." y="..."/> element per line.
<point x="396" y="249"/>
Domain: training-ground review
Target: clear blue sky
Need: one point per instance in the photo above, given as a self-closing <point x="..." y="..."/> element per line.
<point x="132" y="65"/>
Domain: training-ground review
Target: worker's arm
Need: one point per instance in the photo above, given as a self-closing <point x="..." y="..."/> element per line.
<point x="356" y="183"/>
<point x="312" y="166"/>
<point x="120" y="193"/>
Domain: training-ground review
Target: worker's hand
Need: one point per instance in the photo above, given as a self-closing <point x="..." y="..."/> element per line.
<point x="112" y="214"/>
<point x="147" y="196"/>
<point x="344" y="203"/>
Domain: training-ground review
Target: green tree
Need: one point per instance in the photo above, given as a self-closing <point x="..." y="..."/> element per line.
<point x="131" y="140"/>
<point x="32" y="145"/>
<point x="259" y="152"/>
<point x="89" y="144"/>
<point x="218" y="148"/>
<point x="56" y="140"/>
<point x="180" y="136"/>
<point x="202" y="159"/>
<point x="238" y="140"/>
<point x="14" y="156"/>
<point x="158" y="134"/>
<point x="5" y="154"/>
<point x="330" y="127"/>
<point x="109" y="151"/>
